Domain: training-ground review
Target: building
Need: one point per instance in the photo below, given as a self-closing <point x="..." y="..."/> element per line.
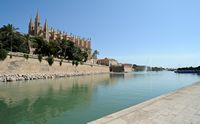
<point x="115" y="66"/>
<point x="121" y="68"/>
<point x="48" y="34"/>
<point x="107" y="62"/>
<point x="128" y="67"/>
<point x="141" y="67"/>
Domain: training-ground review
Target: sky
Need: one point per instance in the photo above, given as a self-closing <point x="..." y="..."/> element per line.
<point x="145" y="32"/>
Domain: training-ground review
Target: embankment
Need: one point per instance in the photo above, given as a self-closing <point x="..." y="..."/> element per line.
<point x="18" y="68"/>
<point x="179" y="107"/>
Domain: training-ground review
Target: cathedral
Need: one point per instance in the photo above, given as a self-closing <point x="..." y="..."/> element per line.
<point x="48" y="34"/>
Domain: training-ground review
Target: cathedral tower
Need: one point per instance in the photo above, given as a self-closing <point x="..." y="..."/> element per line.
<point x="31" y="27"/>
<point x="46" y="31"/>
<point x="35" y="29"/>
<point x="37" y="24"/>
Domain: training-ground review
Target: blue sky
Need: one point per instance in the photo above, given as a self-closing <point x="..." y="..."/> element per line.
<point x="151" y="32"/>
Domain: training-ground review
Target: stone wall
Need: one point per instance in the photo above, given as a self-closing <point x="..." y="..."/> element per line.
<point x="121" y="68"/>
<point x="128" y="67"/>
<point x="116" y="68"/>
<point x="21" y="66"/>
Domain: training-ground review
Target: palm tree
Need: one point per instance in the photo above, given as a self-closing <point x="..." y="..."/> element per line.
<point x="95" y="53"/>
<point x="9" y="30"/>
<point x="29" y="40"/>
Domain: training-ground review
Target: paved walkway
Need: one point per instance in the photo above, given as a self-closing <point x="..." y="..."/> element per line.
<point x="179" y="107"/>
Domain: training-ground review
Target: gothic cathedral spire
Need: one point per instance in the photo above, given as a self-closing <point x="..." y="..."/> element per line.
<point x="45" y="26"/>
<point x="35" y="29"/>
<point x="31" y="27"/>
<point x="37" y="16"/>
<point x="46" y="31"/>
<point x="37" y="24"/>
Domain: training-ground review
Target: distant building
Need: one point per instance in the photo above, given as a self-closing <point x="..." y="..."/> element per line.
<point x="141" y="67"/>
<point x="48" y="34"/>
<point x="128" y="67"/>
<point x="107" y="62"/>
<point x="121" y="68"/>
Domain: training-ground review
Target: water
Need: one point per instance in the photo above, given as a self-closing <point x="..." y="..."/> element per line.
<point x="77" y="100"/>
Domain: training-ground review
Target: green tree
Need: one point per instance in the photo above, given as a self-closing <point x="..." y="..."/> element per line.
<point x="40" y="57"/>
<point x="41" y="46"/>
<point x="61" y="61"/>
<point x="85" y="56"/>
<point x="54" y="48"/>
<point x="9" y="30"/>
<point x="76" y="53"/>
<point x="11" y="40"/>
<point x="28" y="40"/>
<point x="3" y="54"/>
<point x="50" y="60"/>
<point x="60" y="49"/>
<point x="64" y="48"/>
<point x="26" y="56"/>
<point x="21" y="44"/>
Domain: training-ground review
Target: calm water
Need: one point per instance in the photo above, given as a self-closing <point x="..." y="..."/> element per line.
<point x="77" y="100"/>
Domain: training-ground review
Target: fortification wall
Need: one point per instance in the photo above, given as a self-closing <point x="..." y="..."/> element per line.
<point x="128" y="69"/>
<point x="20" y="66"/>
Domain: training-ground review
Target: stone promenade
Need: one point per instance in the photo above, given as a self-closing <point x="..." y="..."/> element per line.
<point x="179" y="107"/>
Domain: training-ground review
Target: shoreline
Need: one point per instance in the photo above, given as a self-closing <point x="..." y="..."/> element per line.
<point x="168" y="108"/>
<point x="40" y="76"/>
<point x="18" y="69"/>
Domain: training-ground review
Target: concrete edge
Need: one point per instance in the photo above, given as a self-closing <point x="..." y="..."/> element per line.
<point x="131" y="109"/>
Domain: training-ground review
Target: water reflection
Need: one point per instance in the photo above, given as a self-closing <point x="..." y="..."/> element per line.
<point x="85" y="97"/>
<point x="37" y="101"/>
